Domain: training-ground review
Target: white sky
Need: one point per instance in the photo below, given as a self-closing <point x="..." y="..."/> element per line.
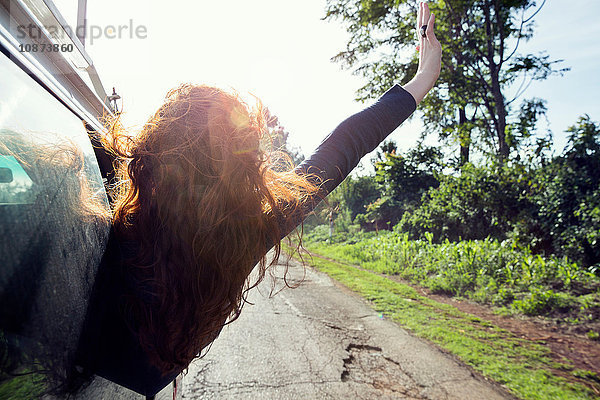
<point x="280" y="50"/>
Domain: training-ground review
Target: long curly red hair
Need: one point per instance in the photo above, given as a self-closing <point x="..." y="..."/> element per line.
<point x="199" y="197"/>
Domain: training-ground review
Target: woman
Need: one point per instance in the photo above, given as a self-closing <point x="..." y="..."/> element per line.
<point x="198" y="206"/>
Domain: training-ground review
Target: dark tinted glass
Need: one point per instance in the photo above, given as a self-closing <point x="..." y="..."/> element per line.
<point x="53" y="231"/>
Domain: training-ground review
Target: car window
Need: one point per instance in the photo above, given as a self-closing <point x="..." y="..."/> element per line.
<point x="54" y="227"/>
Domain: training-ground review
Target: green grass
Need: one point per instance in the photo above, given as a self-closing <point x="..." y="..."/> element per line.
<point x="525" y="368"/>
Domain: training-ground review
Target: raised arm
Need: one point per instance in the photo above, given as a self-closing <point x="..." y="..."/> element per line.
<point x="356" y="136"/>
<point x="361" y="133"/>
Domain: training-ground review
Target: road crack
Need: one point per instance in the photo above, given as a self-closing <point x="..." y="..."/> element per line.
<point x="366" y="364"/>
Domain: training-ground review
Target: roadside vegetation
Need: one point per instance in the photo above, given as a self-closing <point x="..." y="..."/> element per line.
<point x="521" y="237"/>
<point x="486" y="271"/>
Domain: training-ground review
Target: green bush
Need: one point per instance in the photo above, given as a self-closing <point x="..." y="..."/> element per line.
<point x="481" y="202"/>
<point x="539" y="301"/>
<point x="552" y="207"/>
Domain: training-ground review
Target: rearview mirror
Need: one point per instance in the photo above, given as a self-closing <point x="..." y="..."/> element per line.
<point x="6" y="175"/>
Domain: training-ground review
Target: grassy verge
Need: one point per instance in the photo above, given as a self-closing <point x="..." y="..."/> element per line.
<point x="523" y="367"/>
<point x="486" y="271"/>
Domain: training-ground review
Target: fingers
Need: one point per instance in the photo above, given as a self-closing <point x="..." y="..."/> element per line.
<point x="430" y="27"/>
<point x="423" y="16"/>
<point x="419" y="17"/>
<point x="429" y="49"/>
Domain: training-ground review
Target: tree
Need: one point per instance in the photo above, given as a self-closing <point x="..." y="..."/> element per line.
<point x="387" y="147"/>
<point x="356" y="193"/>
<point x="482" y="201"/>
<point x="569" y="199"/>
<point x="479" y="38"/>
<point x="402" y="179"/>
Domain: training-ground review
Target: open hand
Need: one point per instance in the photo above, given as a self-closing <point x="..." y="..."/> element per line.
<point x="430" y="56"/>
<point x="430" y="50"/>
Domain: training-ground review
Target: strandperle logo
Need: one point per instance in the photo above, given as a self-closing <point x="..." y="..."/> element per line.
<point x="90" y="32"/>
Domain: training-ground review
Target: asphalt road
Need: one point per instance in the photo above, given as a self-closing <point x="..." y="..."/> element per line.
<point x="320" y="341"/>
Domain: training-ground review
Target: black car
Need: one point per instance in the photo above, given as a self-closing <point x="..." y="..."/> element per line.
<point x="54" y="208"/>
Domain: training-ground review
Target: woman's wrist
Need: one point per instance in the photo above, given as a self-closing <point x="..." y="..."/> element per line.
<point x="420" y="85"/>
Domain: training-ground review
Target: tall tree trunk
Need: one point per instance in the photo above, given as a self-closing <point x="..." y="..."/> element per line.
<point x="499" y="105"/>
<point x="464" y="138"/>
<point x="464" y="135"/>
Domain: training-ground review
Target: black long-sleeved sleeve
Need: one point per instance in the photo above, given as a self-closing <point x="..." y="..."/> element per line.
<point x="343" y="148"/>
